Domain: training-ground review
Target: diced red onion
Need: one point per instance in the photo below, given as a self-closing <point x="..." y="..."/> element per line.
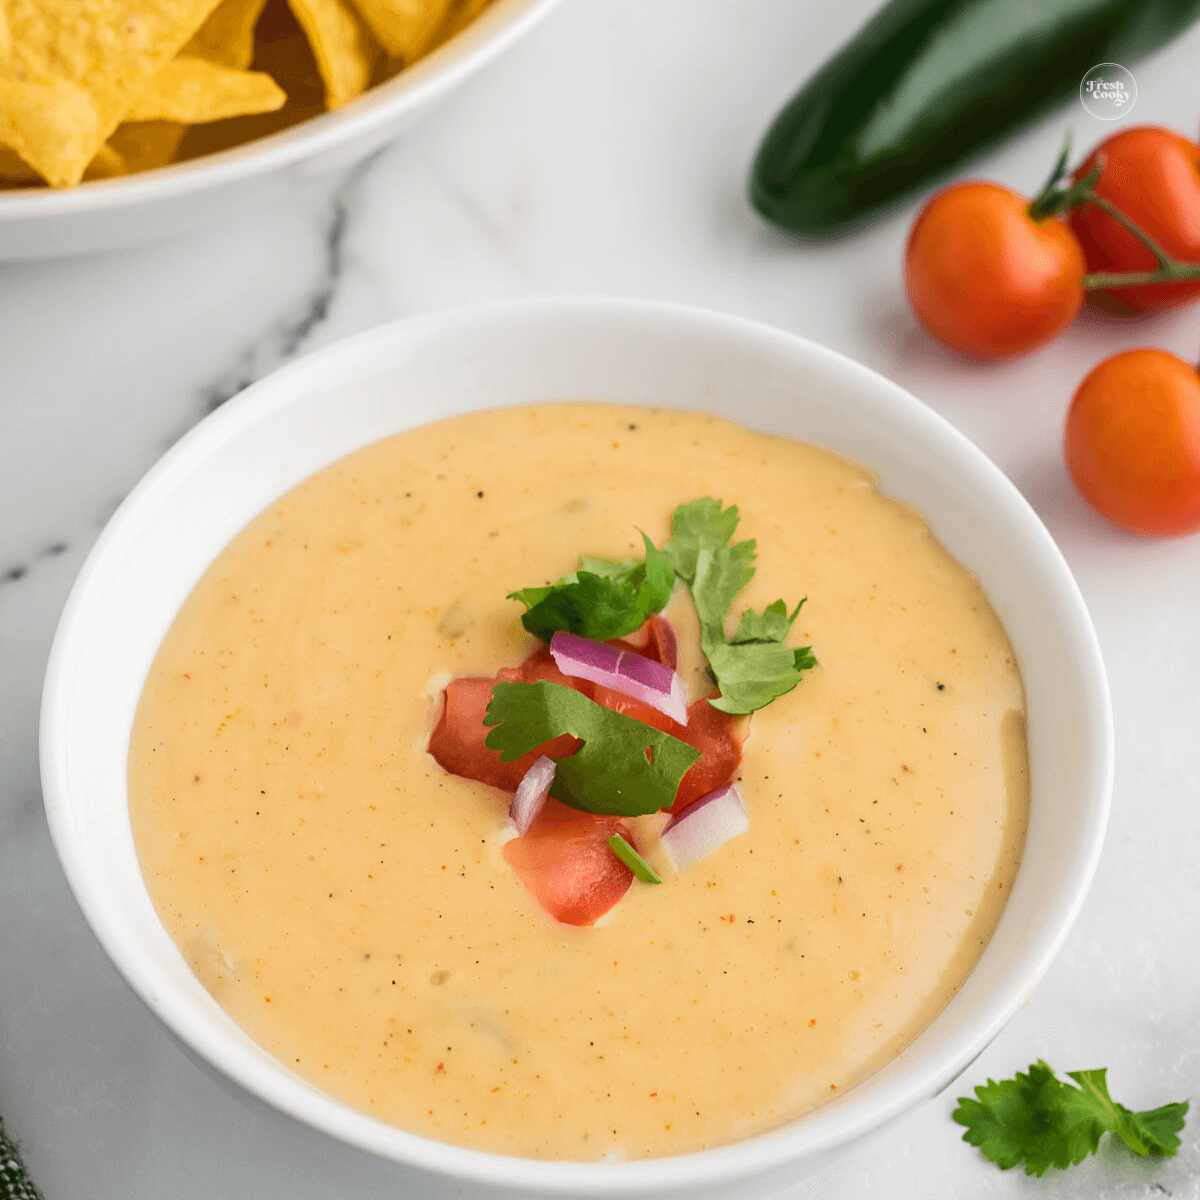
<point x="636" y="676"/>
<point x="531" y="793"/>
<point x="704" y="826"/>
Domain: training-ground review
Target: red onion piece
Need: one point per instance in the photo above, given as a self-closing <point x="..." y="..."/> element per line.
<point x="531" y="793"/>
<point x="704" y="826"/>
<point x="636" y="676"/>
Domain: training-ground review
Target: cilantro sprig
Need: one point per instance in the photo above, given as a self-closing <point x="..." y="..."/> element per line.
<point x="602" y="599"/>
<point x="624" y="767"/>
<point x="14" y="1182"/>
<point x="1041" y="1121"/>
<point x="754" y="666"/>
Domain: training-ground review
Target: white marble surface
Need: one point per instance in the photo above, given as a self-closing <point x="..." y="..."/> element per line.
<point x="606" y="154"/>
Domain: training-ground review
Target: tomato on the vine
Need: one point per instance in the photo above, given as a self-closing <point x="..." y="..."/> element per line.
<point x="1132" y="442"/>
<point x="1153" y="176"/>
<point x="986" y="278"/>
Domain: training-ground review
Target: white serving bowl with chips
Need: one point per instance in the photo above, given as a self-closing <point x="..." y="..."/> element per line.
<point x="298" y="420"/>
<point x="132" y="209"/>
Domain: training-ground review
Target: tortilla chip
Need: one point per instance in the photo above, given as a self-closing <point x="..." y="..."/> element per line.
<point x="16" y="172"/>
<point x="406" y="29"/>
<point x="145" y="145"/>
<point x="75" y="68"/>
<point x="108" y="163"/>
<point x="339" y="45"/>
<point x="227" y="37"/>
<point x="193" y="90"/>
<point x="283" y="52"/>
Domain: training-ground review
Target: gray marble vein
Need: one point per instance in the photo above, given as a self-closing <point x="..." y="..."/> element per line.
<point x="290" y="335"/>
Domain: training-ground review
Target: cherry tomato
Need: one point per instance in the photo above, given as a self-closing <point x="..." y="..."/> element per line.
<point x="1133" y="442"/>
<point x="986" y="279"/>
<point x="1153" y="176"/>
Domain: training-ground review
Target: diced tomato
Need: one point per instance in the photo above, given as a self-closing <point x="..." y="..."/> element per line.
<point x="457" y="741"/>
<point x="656" y="640"/>
<point x="563" y="858"/>
<point x="639" y="710"/>
<point x="565" y="861"/>
<point x="541" y="665"/>
<point x="718" y="737"/>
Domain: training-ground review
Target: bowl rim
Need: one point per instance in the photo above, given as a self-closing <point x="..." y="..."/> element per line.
<point x="428" y="79"/>
<point x="828" y="1128"/>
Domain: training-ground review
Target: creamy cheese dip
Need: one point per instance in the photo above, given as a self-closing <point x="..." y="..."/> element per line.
<point x="347" y="903"/>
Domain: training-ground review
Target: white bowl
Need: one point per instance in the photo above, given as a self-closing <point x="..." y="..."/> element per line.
<point x="43" y="223"/>
<point x="291" y="424"/>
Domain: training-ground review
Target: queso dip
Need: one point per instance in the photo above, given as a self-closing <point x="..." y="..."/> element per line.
<point x="347" y="901"/>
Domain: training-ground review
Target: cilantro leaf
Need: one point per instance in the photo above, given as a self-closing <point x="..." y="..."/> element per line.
<point x="754" y="666"/>
<point x="772" y="625"/>
<point x="619" y="572"/>
<point x="1145" y="1133"/>
<point x="719" y="576"/>
<point x="750" y="675"/>
<point x="1158" y="1128"/>
<point x="606" y="600"/>
<point x="624" y="767"/>
<point x="1008" y="1117"/>
<point x="698" y="526"/>
<point x="1039" y="1120"/>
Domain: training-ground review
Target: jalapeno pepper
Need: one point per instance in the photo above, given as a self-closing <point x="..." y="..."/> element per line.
<point x="926" y="83"/>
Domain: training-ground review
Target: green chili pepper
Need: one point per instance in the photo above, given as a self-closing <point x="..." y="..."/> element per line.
<point x="926" y="83"/>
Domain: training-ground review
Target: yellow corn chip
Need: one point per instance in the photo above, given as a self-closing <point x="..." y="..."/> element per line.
<point x="227" y="37"/>
<point x="339" y="45"/>
<point x="15" y="171"/>
<point x="193" y="90"/>
<point x="406" y="29"/>
<point x="283" y="52"/>
<point x="74" y="69"/>
<point x="108" y="163"/>
<point x="144" y="145"/>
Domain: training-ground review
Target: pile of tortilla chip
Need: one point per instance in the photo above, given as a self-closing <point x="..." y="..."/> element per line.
<point x="90" y="89"/>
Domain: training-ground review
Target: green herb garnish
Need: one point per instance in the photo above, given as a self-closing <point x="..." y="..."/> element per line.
<point x="601" y="600"/>
<point x="1043" y="1122"/>
<point x="754" y="666"/>
<point x="15" y="1184"/>
<point x="624" y="767"/>
<point x="633" y="860"/>
<point x="605" y="600"/>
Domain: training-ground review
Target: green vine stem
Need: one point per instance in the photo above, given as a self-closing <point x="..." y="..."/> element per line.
<point x="1169" y="270"/>
<point x="1054" y="199"/>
